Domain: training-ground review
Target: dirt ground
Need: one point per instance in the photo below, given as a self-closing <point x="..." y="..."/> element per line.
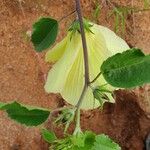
<point x="21" y="78"/>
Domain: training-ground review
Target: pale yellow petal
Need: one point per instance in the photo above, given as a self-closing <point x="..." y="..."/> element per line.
<point x="75" y="81"/>
<point x="67" y="75"/>
<point x="97" y="52"/>
<point x="88" y="100"/>
<point x="58" y="74"/>
<point x="74" y="86"/>
<point x="114" y="43"/>
<point x="57" y="51"/>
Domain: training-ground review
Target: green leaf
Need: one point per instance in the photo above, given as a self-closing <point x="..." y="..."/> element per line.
<point x="30" y="116"/>
<point x="84" y="141"/>
<point x="78" y="140"/>
<point x="44" y="34"/>
<point x="89" y="140"/>
<point x="48" y="136"/>
<point x="103" y="142"/>
<point x="128" y="69"/>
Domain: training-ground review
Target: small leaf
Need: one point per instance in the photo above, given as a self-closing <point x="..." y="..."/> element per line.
<point x="128" y="69"/>
<point x="30" y="116"/>
<point x="103" y="142"/>
<point x="44" y="34"/>
<point x="48" y="136"/>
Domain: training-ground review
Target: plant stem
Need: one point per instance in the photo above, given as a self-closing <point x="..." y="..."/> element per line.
<point x="85" y="51"/>
<point x="86" y="66"/>
<point x="78" y="128"/>
<point x="95" y="78"/>
<point x="82" y="96"/>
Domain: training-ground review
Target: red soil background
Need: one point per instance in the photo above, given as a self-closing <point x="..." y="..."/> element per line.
<point x="21" y="78"/>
